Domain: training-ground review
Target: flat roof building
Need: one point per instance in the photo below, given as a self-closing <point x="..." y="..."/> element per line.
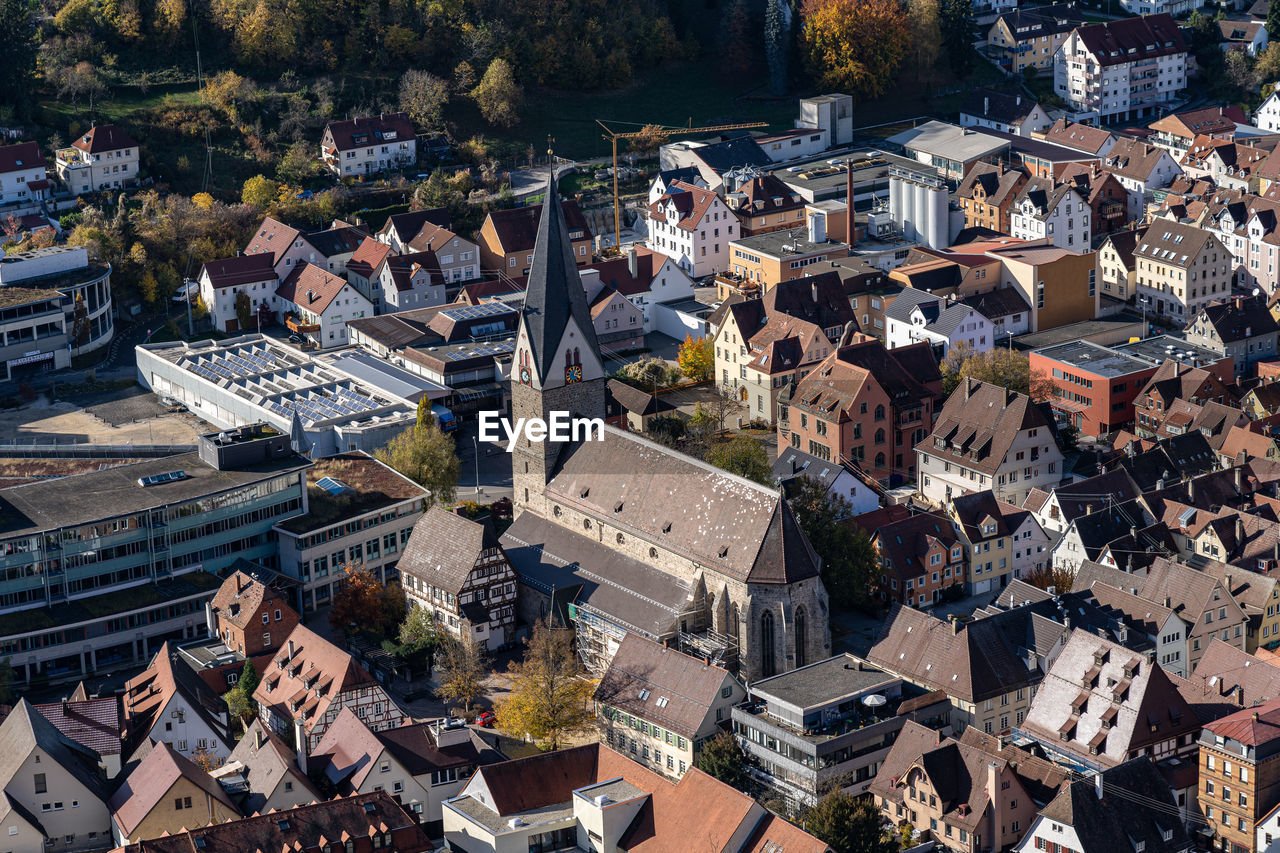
<point x="951" y="149"/>
<point x="346" y="401"/>
<point x="100" y="568"/>
<point x="1093" y="386"/>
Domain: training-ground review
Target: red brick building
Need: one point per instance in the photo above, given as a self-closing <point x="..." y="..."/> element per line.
<point x="1093" y="387"/>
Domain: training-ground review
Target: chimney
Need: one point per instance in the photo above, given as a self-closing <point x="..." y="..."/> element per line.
<point x="290" y="657"/>
<point x="1239" y="529"/>
<point x="850" y="227"/>
<point x="986" y="106"/>
<point x="955" y="625"/>
<point x="813" y="291"/>
<point x="1239" y="478"/>
<point x="633" y="262"/>
<point x="1097" y="785"/>
<point x="300" y="740"/>
<point x="997" y="805"/>
<point x="1239" y="696"/>
<point x="1239" y="300"/>
<point x="209" y="621"/>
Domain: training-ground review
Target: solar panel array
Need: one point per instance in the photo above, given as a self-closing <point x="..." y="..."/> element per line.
<point x="472" y="312"/>
<point x="489" y="348"/>
<point x="327" y="404"/>
<point x="237" y="364"/>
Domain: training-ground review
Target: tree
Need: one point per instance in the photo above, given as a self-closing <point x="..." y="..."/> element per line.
<point x="957" y="25"/>
<point x="248" y="681"/>
<point x="648" y="139"/>
<point x="462" y="669"/>
<point x="1239" y="69"/>
<point x="423" y="96"/>
<point x="1008" y="368"/>
<point x="550" y="697"/>
<point x="498" y="95"/>
<point x="18" y="35"/>
<point x="7" y="694"/>
<point x="1049" y="575"/>
<point x="80" y="326"/>
<point x="419" y="628"/>
<point x="855" y="46"/>
<point x="697" y="358"/>
<point x="298" y="164"/>
<point x="926" y="38"/>
<point x="1273" y="21"/>
<point x="850" y="564"/>
<point x="240" y="706"/>
<point x="648" y="373"/>
<point x="737" y="48"/>
<point x="848" y="824"/>
<point x="722" y="758"/>
<point x="244" y="310"/>
<point x="425" y="454"/>
<point x="744" y="456"/>
<point x="777" y="43"/>
<point x="259" y="192"/>
<point x="358" y="601"/>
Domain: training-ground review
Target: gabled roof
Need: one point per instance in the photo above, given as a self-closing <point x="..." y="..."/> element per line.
<point x="368" y="258"/>
<point x="242" y="269"/>
<point x="266" y="760"/>
<point x="407" y="225"/>
<point x="1133" y="158"/>
<point x="661" y="685"/>
<point x="238" y="599"/>
<point x="1239" y="319"/>
<point x="92" y="723"/>
<point x="311" y="287"/>
<point x="103" y="138"/>
<point x="636" y="401"/>
<point x="403" y="268"/>
<point x="307" y="658"/>
<point x="444" y="547"/>
<point x="1080" y="137"/>
<point x="301" y="829"/>
<point x="370" y="131"/>
<point x="979" y="424"/>
<point x="1032" y="23"/>
<point x="1252" y="726"/>
<point x="554" y="294"/>
<point x="1086" y="496"/>
<point x="1208" y="120"/>
<point x="338" y="240"/>
<point x="273" y="238"/>
<point x="1143" y="815"/>
<point x="147" y="694"/>
<point x="517" y="228"/>
<point x="1227" y="677"/>
<point x="689" y="202"/>
<point x="26" y="729"/>
<point x="148" y="787"/>
<point x="1132" y="39"/>
<point x="1011" y="108"/>
<point x="20" y="157"/>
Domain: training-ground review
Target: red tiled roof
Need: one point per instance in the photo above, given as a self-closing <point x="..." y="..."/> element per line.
<point x="311" y="287"/>
<point x="1132" y="39"/>
<point x="368" y="257"/>
<point x="374" y="129"/>
<point x="517" y="228"/>
<point x="1251" y="726"/>
<point x="274" y="238"/>
<point x="149" y="784"/>
<point x="92" y="723"/>
<point x="692" y="203"/>
<point x="104" y="137"/>
<point x="24" y="155"/>
<point x="243" y="269"/>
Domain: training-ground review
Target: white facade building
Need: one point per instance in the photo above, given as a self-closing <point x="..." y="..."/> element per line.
<point x="1060" y="214"/>
<point x="1121" y="70"/>
<point x="366" y="146"/>
<point x="693" y="227"/>
<point x="23" y="176"/>
<point x="104" y="158"/>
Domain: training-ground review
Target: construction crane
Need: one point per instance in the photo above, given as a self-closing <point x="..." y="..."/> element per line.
<point x="661" y="131"/>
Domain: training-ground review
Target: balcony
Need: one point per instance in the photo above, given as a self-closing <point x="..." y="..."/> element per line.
<point x="292" y="322"/>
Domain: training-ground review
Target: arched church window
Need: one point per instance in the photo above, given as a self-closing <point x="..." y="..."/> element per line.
<point x="801" y="639"/>
<point x="767" y="665"/>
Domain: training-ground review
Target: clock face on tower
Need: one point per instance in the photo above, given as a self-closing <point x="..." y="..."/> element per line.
<point x="573" y="373"/>
<point x="525" y="376"/>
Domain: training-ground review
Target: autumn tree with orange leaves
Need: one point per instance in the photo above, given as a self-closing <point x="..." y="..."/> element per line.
<point x="855" y="46"/>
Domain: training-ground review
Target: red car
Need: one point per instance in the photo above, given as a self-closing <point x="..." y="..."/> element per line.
<point x="486" y="719"/>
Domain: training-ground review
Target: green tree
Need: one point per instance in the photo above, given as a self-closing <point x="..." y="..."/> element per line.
<point x="744" y="456"/>
<point x="722" y="758"/>
<point x="1008" y="368"/>
<point x="259" y="192"/>
<point x="419" y="628"/>
<point x="926" y="38"/>
<point x="462" y="667"/>
<point x="697" y="358"/>
<point x="1273" y="21"/>
<point x="849" y="824"/>
<point x="649" y="373"/>
<point x="18" y="35"/>
<point x="550" y="696"/>
<point x="498" y="94"/>
<point x="298" y="164"/>
<point x="850" y="564"/>
<point x="957" y="25"/>
<point x="244" y="310"/>
<point x="248" y="679"/>
<point x="855" y="46"/>
<point x="425" y="454"/>
<point x="777" y="44"/>
<point x="240" y="706"/>
<point x="7" y="694"/>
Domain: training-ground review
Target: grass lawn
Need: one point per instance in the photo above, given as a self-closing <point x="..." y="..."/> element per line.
<point x="672" y="95"/>
<point x="121" y="104"/>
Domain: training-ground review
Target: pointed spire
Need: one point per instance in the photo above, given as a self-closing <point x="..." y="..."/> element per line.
<point x="298" y="436"/>
<point x="554" y="293"/>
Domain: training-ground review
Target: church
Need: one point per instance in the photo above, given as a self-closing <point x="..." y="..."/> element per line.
<point x="626" y="535"/>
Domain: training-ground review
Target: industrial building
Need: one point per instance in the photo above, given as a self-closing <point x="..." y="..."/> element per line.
<point x="345" y="400"/>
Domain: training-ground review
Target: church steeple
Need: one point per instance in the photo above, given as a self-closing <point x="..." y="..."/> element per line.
<point x="557" y="366"/>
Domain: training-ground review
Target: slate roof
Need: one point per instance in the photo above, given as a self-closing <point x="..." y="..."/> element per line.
<point x="1240" y="319"/>
<point x="266" y="760"/>
<point x="727" y="523"/>
<point x="1132" y="39"/>
<point x="444" y="547"/>
<point x="554" y="293"/>
<point x="148" y="787"/>
<point x="1000" y="302"/>
<point x="661" y="685"/>
<point x="720" y="157"/>
<point x="407" y="225"/>
<point x="338" y="240"/>
<point x="1143" y="815"/>
<point x="1085" y="496"/>
<point x="1010" y="108"/>
<point x="517" y="228"/>
<point x="1227" y="677"/>
<point x="636" y="401"/>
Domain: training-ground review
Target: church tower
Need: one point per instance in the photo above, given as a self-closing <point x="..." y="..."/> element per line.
<point x="557" y="365"/>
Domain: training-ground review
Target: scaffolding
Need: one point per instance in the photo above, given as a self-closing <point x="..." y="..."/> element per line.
<point x="712" y="646"/>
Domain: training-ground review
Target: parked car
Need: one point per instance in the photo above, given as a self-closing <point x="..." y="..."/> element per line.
<point x="486" y="719"/>
<point x="297" y="339"/>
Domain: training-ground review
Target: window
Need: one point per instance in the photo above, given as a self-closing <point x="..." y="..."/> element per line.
<point x="42" y="786"/>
